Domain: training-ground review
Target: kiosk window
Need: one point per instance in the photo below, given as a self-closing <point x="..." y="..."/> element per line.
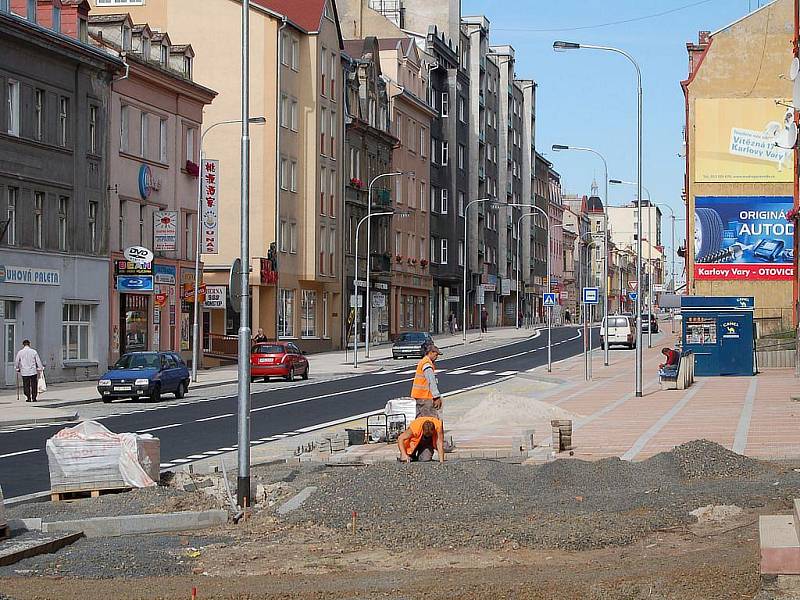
<point x="701" y="331"/>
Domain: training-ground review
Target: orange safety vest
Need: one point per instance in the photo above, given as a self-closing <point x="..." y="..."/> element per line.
<point x="416" y="433"/>
<point x="420" y="389"/>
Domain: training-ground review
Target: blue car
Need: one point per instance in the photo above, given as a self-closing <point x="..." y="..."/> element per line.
<point x="145" y="375"/>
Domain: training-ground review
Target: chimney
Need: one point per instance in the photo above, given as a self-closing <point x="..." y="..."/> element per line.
<point x="75" y="19"/>
<point x="703" y="37"/>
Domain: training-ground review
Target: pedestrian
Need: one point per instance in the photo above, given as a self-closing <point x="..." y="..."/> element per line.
<point x="672" y="360"/>
<point x="259" y="337"/>
<point x="425" y="388"/>
<point x="567" y="317"/>
<point x="418" y="442"/>
<point x="450" y="320"/>
<point x="29" y="366"/>
<point x="484" y="320"/>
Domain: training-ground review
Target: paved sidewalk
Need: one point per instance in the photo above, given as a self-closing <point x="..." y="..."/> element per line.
<point x="56" y="405"/>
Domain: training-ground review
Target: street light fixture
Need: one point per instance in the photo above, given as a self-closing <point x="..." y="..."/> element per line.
<point x="559" y="147"/>
<point x="560" y="46"/>
<point x="198" y="238"/>
<point x="367" y="218"/>
<point x="465" y="260"/>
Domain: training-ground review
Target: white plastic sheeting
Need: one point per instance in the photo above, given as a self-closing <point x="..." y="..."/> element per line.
<point x="91" y="454"/>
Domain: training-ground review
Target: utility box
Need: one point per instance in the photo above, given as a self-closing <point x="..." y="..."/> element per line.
<point x="719" y="330"/>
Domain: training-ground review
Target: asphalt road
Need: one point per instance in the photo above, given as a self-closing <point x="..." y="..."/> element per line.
<point x="201" y="427"/>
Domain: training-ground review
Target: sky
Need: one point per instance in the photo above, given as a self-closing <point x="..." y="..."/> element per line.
<point x="588" y="97"/>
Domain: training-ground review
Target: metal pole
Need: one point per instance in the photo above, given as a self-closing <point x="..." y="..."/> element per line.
<point x="243" y="482"/>
<point x="355" y="287"/>
<point x="605" y="265"/>
<point x="549" y="308"/>
<point x="638" y="226"/>
<point x="196" y="326"/>
<point x="519" y="275"/>
<point x="671" y="319"/>
<point x="464" y="283"/>
<point x="650" y="265"/>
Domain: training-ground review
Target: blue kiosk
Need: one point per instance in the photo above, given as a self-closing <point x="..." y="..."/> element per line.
<point x="719" y="331"/>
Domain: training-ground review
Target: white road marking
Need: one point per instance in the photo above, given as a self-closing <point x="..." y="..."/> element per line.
<point x="18" y="453"/>
<point x="214" y="418"/>
<point x="508" y="373"/>
<point x="484" y="372"/>
<point x="196" y="456"/>
<point x="409" y="372"/>
<point x="228" y="449"/>
<point x="159" y="428"/>
<point x="180" y="461"/>
<point x="212" y="452"/>
<point x="165" y="465"/>
<point x="459" y="371"/>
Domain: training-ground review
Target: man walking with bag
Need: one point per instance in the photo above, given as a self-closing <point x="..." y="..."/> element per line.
<point x="29" y="366"/>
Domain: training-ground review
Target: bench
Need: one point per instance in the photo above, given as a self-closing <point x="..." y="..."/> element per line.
<point x="681" y="377"/>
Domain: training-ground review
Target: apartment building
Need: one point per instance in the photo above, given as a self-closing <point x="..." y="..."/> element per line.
<point x="155" y="118"/>
<point x="297" y="157"/>
<point x="53" y="188"/>
<point x="369" y="144"/>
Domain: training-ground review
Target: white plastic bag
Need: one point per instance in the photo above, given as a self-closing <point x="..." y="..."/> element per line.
<point x="42" y="384"/>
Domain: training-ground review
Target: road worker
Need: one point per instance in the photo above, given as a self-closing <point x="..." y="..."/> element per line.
<point x="418" y="442"/>
<point x="425" y="389"/>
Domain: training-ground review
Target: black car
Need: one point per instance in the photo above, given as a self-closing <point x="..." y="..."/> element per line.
<point x="411" y="344"/>
<point x="648" y="323"/>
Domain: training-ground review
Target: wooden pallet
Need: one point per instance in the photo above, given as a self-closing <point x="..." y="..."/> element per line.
<point x="57" y="495"/>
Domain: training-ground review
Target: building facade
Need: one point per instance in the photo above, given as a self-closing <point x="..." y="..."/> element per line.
<point x="53" y="189"/>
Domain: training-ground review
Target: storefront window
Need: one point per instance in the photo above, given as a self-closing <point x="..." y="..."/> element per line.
<point x="420" y="316"/>
<point x="408" y="312"/>
<point x="134" y="323"/>
<point x="701" y="331"/>
<point x="308" y="324"/>
<point x="75" y="330"/>
<point x="286" y="315"/>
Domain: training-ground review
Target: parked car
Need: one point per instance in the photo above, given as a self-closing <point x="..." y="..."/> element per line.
<point x="145" y="375"/>
<point x="649" y="321"/>
<point x="278" y="359"/>
<point x="621" y="331"/>
<point x="410" y="344"/>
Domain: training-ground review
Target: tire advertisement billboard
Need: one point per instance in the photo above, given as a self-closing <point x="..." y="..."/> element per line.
<point x="743" y="238"/>
<point x="742" y="140"/>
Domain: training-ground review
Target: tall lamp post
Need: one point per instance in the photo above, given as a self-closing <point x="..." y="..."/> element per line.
<point x="466" y="259"/>
<point x="367" y="218"/>
<point x="649" y="250"/>
<point x="369" y="237"/>
<point x="558" y="147"/>
<point x="198" y="239"/>
<point x="561" y="46"/>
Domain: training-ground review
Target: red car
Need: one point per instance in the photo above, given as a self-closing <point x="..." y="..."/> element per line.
<point x="278" y="359"/>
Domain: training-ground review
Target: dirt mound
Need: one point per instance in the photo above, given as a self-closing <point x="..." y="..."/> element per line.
<point x="702" y="459"/>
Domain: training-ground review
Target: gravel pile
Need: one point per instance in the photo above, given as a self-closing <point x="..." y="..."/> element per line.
<point x="566" y="504"/>
<point x="143" y="501"/>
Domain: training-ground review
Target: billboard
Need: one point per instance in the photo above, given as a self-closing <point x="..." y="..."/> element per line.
<point x="742" y="140"/>
<point x="743" y="237"/>
<point x="210" y="213"/>
<point x="165" y="230"/>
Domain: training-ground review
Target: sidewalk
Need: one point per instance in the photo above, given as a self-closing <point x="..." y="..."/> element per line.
<point x="56" y="404"/>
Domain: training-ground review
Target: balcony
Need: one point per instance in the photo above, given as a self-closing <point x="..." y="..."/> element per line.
<point x="482" y="173"/>
<point x="380" y="262"/>
<point x="382" y="198"/>
<point x="481" y="99"/>
<point x="482" y="136"/>
<point x="509" y="189"/>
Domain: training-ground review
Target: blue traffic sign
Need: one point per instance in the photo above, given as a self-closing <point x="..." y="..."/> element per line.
<point x="550" y="299"/>
<point x="633" y="295"/>
<point x="591" y="295"/>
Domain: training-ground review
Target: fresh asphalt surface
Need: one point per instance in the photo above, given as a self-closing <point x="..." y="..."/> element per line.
<point x="194" y="427"/>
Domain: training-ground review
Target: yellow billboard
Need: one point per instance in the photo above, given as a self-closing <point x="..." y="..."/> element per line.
<point x="742" y="140"/>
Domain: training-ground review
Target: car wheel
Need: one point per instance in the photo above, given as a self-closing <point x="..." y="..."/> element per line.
<point x="181" y="391"/>
<point x="155" y="396"/>
<point x="305" y="373"/>
<point x="106" y="400"/>
<point x="290" y="375"/>
<point x="266" y="379"/>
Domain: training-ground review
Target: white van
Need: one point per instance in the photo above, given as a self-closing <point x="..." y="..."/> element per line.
<point x="621" y="330"/>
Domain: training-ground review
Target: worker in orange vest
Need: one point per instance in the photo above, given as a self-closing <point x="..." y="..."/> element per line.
<point x="418" y="442"/>
<point x="425" y="389"/>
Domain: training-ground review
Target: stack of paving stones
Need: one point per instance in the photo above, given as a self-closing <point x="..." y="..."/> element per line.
<point x="779" y="537"/>
<point x="562" y="434"/>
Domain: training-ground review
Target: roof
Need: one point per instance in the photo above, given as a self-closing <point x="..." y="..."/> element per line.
<point x="113" y="18"/>
<point x="391" y="43"/>
<point x="306" y="15"/>
<point x="594" y="204"/>
<point x="354" y="48"/>
<point x="759" y="9"/>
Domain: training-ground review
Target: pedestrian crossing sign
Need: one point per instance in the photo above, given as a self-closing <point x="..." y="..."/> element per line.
<point x="550" y="299"/>
<point x="591" y="295"/>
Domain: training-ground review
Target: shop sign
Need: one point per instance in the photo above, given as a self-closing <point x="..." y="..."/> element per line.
<point x="29" y="275"/>
<point x="378" y="300"/>
<point x="157" y="318"/>
<point x="454" y="298"/>
<point x="164" y="274"/>
<point x="172" y="315"/>
<point x="138" y="254"/>
<point x="161" y="300"/>
<point x="188" y="292"/>
<point x="165" y="230"/>
<point x="125" y="267"/>
<point x="479" y="295"/>
<point x="216" y="297"/>
<point x="210" y="193"/>
<point x="135" y="283"/>
<point x="381" y="286"/>
<point x="505" y="287"/>
<point x="489" y="287"/>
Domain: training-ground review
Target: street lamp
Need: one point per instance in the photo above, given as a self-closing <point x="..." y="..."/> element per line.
<point x="562" y="46"/>
<point x="549" y="308"/>
<point x="558" y="147"/>
<point x="649" y="251"/>
<point x="519" y="270"/>
<point x="465" y="260"/>
<point x="369" y="237"/>
<point x="367" y="218"/>
<point x="198" y="238"/>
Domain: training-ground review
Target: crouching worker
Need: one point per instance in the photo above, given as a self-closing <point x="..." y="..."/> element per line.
<point x="422" y="437"/>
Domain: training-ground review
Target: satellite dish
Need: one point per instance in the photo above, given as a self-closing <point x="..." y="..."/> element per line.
<point x="796" y="93"/>
<point x="794" y="68"/>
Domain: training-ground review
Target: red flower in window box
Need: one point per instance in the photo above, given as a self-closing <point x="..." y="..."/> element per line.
<point x="398" y="258"/>
<point x="192" y="168"/>
<point x="412" y="261"/>
<point x="356" y="183"/>
<point x="423" y="263"/>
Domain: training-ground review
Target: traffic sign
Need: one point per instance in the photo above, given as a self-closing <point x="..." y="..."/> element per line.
<point x="633" y="284"/>
<point x="235" y="284"/>
<point x="591" y="295"/>
<point x="633" y="295"/>
<point x="549" y="299"/>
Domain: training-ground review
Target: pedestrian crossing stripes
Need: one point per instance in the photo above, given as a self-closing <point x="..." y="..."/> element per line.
<point x="484" y="372"/>
<point x="459" y="371"/>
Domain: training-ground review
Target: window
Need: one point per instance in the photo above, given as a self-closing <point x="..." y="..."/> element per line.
<point x="164" y="54"/>
<point x="434" y="198"/>
<point x="422" y="142"/>
<point x="282" y="234"/>
<point x="443" y="256"/>
<point x="332" y="196"/>
<point x="190" y="134"/>
<point x="355" y="163"/>
<point x="421" y="248"/>
<point x="123" y="208"/>
<point x="83" y="30"/>
<point x="75" y="330"/>
<point x="284" y="111"/>
<point x="460" y="253"/>
<point x="93" y="226"/>
<point x="461" y="154"/>
<point x="398" y="243"/>
<point x="422" y="195"/>
<point x="295" y="54"/>
<point x="323" y="72"/>
<point x="293" y="238"/>
<point x="323" y="184"/>
<point x="93" y="129"/>
<point x="308" y="316"/>
<point x="433" y="150"/>
<point x="293" y="115"/>
<point x="63" y="206"/>
<point x="323" y="237"/>
<point x="334" y="65"/>
<point x="332" y="252"/>
<point x="124" y="121"/>
<point x="293" y="175"/>
<point x="142" y="221"/>
<point x="286" y="314"/>
<point x="460" y="204"/>
<point x="462" y="113"/>
<point x="325" y="315"/>
<point x="32" y="10"/>
<point x="63" y="116"/>
<point x="11" y="215"/>
<point x="322" y="125"/>
<point x="445" y="200"/>
<point x="332" y="153"/>
<point x="39" y="114"/>
<point x="38" y="217"/>
<point x="445" y="104"/>
<point x="56" y="18"/>
<point x="433" y="250"/>
<point x="143" y="135"/>
<point x="162" y="140"/>
<point x="187" y="66"/>
<point x="284" y="174"/>
<point x="12" y="107"/>
<point x="445" y="153"/>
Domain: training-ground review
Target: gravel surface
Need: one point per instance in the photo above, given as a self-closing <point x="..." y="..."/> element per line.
<point x="143" y="501"/>
<point x="141" y="556"/>
<point x="565" y="504"/>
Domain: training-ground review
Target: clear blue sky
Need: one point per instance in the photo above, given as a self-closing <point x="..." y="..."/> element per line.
<point x="588" y="97"/>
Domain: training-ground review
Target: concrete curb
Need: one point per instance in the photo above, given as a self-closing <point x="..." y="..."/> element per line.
<point x="38" y="421"/>
<point x="14" y="551"/>
<point x="139" y="524"/>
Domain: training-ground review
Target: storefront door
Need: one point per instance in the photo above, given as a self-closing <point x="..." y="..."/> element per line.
<point x="134" y="323"/>
<point x="10" y="341"/>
